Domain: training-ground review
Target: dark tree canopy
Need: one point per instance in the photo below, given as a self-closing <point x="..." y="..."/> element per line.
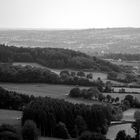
<point x="55" y="58"/>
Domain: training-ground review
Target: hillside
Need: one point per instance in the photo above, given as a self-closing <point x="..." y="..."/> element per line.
<point x="90" y="41"/>
<point x="55" y="58"/>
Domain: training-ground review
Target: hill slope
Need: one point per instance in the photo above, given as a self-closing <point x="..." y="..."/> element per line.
<point x="55" y="58"/>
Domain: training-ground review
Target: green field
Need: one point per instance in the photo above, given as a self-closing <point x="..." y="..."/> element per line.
<point x="54" y="91"/>
<point x="59" y="91"/>
<point x="10" y="117"/>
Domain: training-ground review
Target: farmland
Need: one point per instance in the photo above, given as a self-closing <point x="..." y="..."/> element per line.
<point x="54" y="91"/>
<point x="58" y="91"/>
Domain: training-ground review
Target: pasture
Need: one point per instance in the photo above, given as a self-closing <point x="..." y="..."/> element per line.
<point x="59" y="91"/>
<point x="10" y="117"/>
<point x="54" y="91"/>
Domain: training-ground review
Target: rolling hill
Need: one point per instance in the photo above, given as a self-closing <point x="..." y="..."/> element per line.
<point x="90" y="41"/>
<point x="56" y="58"/>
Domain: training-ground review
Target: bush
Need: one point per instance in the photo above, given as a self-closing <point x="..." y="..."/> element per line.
<point x="61" y="131"/>
<point x="75" y="92"/>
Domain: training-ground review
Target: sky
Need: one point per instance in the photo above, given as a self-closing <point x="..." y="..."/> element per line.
<point x="75" y="14"/>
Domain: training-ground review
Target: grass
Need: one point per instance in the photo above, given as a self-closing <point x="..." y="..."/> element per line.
<point x="59" y="91"/>
<point x="10" y="117"/>
<point x="54" y="91"/>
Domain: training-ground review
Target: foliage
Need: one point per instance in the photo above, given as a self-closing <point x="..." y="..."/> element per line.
<point x="28" y="74"/>
<point x="61" y="131"/>
<point x="29" y="131"/>
<point x="81" y="125"/>
<point x="91" y="136"/>
<point x="8" y="132"/>
<point x="55" y="58"/>
<point x="13" y="100"/>
<point x="42" y="110"/>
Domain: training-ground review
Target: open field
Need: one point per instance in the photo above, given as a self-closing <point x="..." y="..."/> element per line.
<point x="54" y="91"/>
<point x="10" y="117"/>
<point x="59" y="91"/>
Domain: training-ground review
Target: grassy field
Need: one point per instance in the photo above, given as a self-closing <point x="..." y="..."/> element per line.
<point x="10" y="117"/>
<point x="59" y="91"/>
<point x="54" y="91"/>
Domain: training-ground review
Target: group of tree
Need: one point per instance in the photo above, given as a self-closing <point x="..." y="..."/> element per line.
<point x="123" y="77"/>
<point x="28" y="132"/>
<point x="65" y="73"/>
<point x="13" y="100"/>
<point x="124" y="57"/>
<point x="92" y="94"/>
<point x="130" y="102"/>
<point x="58" y="118"/>
<point x="55" y="58"/>
<point x="29" y="74"/>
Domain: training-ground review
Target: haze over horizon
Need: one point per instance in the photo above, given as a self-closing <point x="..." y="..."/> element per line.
<point x="69" y="14"/>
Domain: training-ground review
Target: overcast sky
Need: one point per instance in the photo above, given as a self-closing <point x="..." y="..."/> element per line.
<point x="69" y="13"/>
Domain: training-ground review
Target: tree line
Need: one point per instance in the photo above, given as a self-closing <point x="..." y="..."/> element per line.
<point x="28" y="74"/>
<point x="125" y="57"/>
<point x="49" y="113"/>
<point x="55" y="58"/>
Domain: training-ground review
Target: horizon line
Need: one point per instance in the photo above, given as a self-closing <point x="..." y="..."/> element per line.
<point x="40" y="28"/>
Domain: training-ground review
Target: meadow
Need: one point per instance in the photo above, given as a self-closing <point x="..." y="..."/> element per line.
<point x="60" y="91"/>
<point x="10" y="117"/>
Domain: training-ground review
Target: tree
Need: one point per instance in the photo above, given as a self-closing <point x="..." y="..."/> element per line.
<point x="108" y="98"/>
<point x="136" y="124"/>
<point x="75" y="92"/>
<point x="89" y="76"/>
<point x="81" y="74"/>
<point x="64" y="74"/>
<point x="73" y="73"/>
<point x="130" y="99"/>
<point x="8" y="132"/>
<point x="121" y="135"/>
<point x="117" y="99"/>
<point x="29" y="131"/>
<point x="81" y="125"/>
<point x="61" y="131"/>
